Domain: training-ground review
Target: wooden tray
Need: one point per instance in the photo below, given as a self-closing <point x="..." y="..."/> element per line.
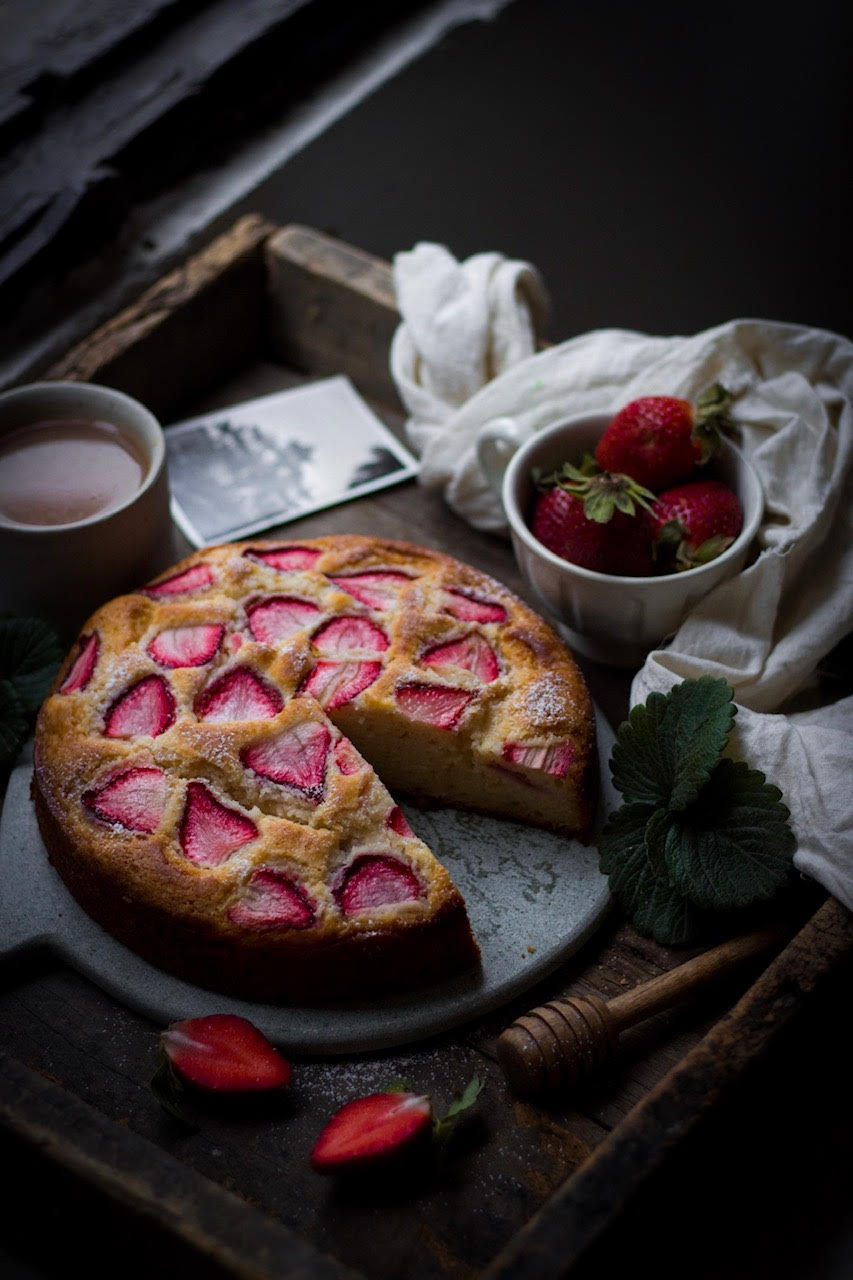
<point x="532" y="1185"/>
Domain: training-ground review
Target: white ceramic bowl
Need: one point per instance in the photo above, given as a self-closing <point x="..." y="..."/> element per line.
<point x="63" y="571"/>
<point x="607" y="617"/>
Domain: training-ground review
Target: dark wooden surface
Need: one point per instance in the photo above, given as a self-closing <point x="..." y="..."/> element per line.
<point x="533" y="1187"/>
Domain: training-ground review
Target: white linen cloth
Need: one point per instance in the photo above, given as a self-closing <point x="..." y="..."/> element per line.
<point x="765" y="630"/>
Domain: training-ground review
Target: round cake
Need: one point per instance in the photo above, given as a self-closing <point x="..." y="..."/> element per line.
<point x="212" y="765"/>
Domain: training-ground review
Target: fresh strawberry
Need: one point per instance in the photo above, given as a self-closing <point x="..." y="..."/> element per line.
<point x="375" y="880"/>
<point x="272" y="900"/>
<point x="438" y="704"/>
<point x="278" y="617"/>
<point x="192" y="579"/>
<point x="659" y="440"/>
<point x="134" y="799"/>
<point x="599" y="522"/>
<point x="469" y="653"/>
<point x="81" y="669"/>
<point x="240" y="694"/>
<point x="209" y="831"/>
<point x="397" y="821"/>
<point x="335" y="683"/>
<point x="467" y="607"/>
<point x="378" y="588"/>
<point x="694" y="523"/>
<point x="367" y="1132"/>
<point x="285" y="558"/>
<point x="146" y="708"/>
<point x="555" y="759"/>
<point x="186" y="646"/>
<point x="342" y="635"/>
<point x="224" y="1053"/>
<point x="295" y="758"/>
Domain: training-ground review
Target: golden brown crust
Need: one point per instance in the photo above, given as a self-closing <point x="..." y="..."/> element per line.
<point x="461" y="693"/>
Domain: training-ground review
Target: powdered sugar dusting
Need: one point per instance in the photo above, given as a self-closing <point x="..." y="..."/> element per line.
<point x="546" y="700"/>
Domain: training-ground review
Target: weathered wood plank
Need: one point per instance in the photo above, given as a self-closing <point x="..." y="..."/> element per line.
<point x="187" y="331"/>
<point x="332" y="309"/>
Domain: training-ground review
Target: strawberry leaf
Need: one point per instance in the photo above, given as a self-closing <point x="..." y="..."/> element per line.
<point x="30" y="654"/>
<point x="443" y="1126"/>
<point x="169" y="1092"/>
<point x="13" y="723"/>
<point x="665" y="751"/>
<point x="733" y="846"/>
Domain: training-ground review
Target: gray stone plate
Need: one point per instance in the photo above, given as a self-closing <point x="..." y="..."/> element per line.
<point x="533" y="898"/>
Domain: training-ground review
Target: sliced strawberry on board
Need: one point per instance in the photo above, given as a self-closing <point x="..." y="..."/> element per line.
<point x="368" y="1130"/>
<point x="273" y="900"/>
<point x="210" y="831"/>
<point x="224" y="1053"/>
<point x="342" y="635"/>
<point x="396" y="821"/>
<point x="240" y="694"/>
<point x="81" y="669"/>
<point x="278" y="617"/>
<point x="378" y="588"/>
<point x="335" y="683"/>
<point x="134" y="799"/>
<point x="295" y="758"/>
<point x="347" y="758"/>
<point x="285" y="558"/>
<point x="468" y="607"/>
<point x="438" y="704"/>
<point x="376" y="880"/>
<point x="470" y="653"/>
<point x="192" y="579"/>
<point x="187" y="646"/>
<point x="146" y="708"/>
<point x="555" y="759"/>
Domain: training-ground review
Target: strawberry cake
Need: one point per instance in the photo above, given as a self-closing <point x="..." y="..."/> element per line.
<point x="212" y="765"/>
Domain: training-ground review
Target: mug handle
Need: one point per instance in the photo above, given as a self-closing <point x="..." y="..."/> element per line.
<point x="497" y="441"/>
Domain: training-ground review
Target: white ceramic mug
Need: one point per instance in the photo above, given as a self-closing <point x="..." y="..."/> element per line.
<point x="607" y="617"/>
<point x="62" y="572"/>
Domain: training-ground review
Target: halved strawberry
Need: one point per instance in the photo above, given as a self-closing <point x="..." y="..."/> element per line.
<point x="146" y="708"/>
<point x="376" y="880"/>
<point x="555" y="759"/>
<point x="295" y="758"/>
<point x="438" y="704"/>
<point x="192" y="579"/>
<point x="334" y="683"/>
<point x="186" y="646"/>
<point x="471" y="653"/>
<point x="377" y="588"/>
<point x="278" y="617"/>
<point x="273" y="900"/>
<point x="367" y="1130"/>
<point x="472" y="608"/>
<point x="346" y="757"/>
<point x="342" y="635"/>
<point x="210" y="831"/>
<point x="134" y="799"/>
<point x="225" y="1053"/>
<point x="285" y="557"/>
<point x="239" y="694"/>
<point x="396" y="821"/>
<point x="80" y="671"/>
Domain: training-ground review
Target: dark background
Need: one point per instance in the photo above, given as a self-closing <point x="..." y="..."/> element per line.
<point x="666" y="167"/>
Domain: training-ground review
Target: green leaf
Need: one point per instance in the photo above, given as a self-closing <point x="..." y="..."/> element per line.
<point x="169" y="1092"/>
<point x="666" y="749"/>
<point x="732" y="847"/>
<point x="443" y="1126"/>
<point x="14" y="725"/>
<point x="649" y="899"/>
<point x="30" y="654"/>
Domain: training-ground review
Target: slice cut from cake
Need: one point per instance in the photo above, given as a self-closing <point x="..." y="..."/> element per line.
<point x="207" y="769"/>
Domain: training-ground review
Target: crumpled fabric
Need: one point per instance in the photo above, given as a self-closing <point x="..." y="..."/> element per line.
<point x="766" y="630"/>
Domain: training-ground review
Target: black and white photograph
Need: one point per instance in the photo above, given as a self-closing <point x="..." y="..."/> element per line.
<point x="270" y="460"/>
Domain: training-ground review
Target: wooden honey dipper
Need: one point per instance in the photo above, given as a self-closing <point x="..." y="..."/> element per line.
<point x="569" y="1038"/>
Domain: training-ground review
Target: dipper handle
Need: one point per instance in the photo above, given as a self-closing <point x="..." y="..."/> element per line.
<point x="571" y="1037"/>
